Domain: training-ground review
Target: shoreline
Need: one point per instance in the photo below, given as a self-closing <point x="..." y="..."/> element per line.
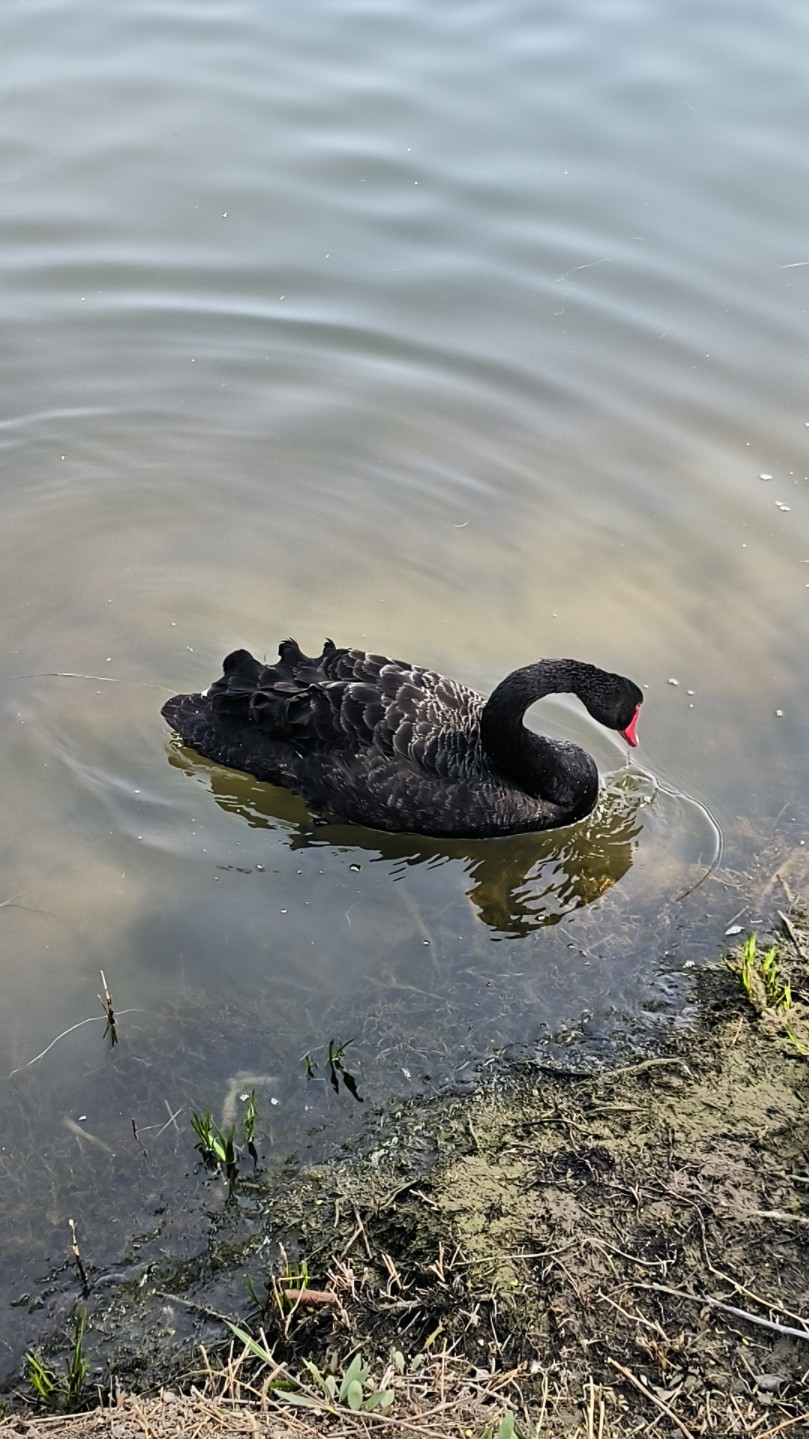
<point x="573" y="1254"/>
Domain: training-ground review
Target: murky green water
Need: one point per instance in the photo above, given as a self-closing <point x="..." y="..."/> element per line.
<point x="468" y="331"/>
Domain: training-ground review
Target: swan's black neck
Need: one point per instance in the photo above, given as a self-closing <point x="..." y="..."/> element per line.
<point x="547" y="768"/>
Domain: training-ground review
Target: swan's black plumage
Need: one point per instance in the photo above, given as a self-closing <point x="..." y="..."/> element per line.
<point x="390" y="745"/>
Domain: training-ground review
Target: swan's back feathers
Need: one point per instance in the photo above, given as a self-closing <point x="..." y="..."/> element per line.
<point x="345" y="701"/>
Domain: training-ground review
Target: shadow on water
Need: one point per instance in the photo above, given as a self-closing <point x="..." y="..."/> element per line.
<point x="515" y="885"/>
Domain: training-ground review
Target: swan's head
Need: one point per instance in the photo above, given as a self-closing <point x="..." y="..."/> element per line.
<point x="615" y="702"/>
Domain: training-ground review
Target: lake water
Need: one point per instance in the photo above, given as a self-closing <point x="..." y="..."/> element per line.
<point x="470" y="333"/>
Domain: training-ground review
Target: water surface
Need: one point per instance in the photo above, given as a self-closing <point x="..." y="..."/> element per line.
<point x="466" y="332"/>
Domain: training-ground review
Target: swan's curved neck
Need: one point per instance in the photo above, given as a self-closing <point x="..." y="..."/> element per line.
<point x="516" y="752"/>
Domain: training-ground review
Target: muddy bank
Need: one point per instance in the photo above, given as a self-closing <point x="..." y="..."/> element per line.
<point x="612" y="1250"/>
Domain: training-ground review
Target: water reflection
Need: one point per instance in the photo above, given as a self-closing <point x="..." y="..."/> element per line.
<point x="515" y="885"/>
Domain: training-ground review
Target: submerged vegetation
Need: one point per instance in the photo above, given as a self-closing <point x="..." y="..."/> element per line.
<point x="335" y="1051"/>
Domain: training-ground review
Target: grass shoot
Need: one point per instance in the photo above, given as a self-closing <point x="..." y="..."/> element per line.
<point x="760" y="979"/>
<point x="218" y="1147"/>
<point x="54" y="1394"/>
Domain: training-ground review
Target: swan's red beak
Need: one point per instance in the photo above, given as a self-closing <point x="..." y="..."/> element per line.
<point x="629" y="733"/>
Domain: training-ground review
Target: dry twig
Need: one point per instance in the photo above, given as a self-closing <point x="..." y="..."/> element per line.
<point x="727" y="1309"/>
<point x="644" y="1389"/>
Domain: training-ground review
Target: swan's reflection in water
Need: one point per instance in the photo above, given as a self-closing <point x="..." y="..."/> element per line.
<point x="515" y="884"/>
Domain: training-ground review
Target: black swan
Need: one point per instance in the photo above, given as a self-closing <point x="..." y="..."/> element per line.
<point x="387" y="744"/>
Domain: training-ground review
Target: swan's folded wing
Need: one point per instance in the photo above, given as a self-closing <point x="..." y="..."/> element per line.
<point x="347" y="701"/>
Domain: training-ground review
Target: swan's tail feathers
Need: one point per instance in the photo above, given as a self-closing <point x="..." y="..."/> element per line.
<point x="274" y="699"/>
<point x="188" y="715"/>
<point x="241" y="674"/>
<point x="242" y="679"/>
<point x="290" y="654"/>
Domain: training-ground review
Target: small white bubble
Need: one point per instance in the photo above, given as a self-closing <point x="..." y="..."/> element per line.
<point x="765" y="477"/>
<point x="779" y="714"/>
<point x="674" y="682"/>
